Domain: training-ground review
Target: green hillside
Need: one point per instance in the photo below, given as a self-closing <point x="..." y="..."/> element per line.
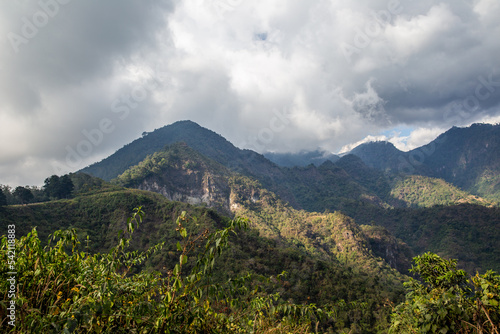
<point x="468" y="158"/>
<point x="421" y="191"/>
<point x="330" y="188"/>
<point x="327" y="187"/>
<point x="488" y="185"/>
<point x="329" y="262"/>
<point x="185" y="172"/>
<point x="467" y="232"/>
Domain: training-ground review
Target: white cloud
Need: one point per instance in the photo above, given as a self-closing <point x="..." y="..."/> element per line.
<point x="487" y="9"/>
<point x="417" y="138"/>
<point x="415" y="34"/>
<point x="367" y="139"/>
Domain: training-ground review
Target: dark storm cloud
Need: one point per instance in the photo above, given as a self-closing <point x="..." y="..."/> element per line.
<point x="81" y="41"/>
<point x="59" y="66"/>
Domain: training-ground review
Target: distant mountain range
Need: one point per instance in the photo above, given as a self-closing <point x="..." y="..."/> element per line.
<point x="344" y="229"/>
<point x="186" y="162"/>
<point x="468" y="158"/>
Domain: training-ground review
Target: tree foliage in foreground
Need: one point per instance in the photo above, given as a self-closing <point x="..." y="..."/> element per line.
<point x="61" y="289"/>
<point x="447" y="300"/>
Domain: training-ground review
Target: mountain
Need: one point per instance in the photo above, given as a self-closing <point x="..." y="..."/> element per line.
<point x="349" y="186"/>
<point x="468" y="158"/>
<point x="380" y="155"/>
<point x="372" y="195"/>
<point x="301" y="159"/>
<point x="213" y="146"/>
<point x="309" y="187"/>
<point x="205" y="141"/>
<point x="180" y="173"/>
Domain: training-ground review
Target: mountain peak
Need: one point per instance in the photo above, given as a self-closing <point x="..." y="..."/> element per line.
<point x="205" y="141"/>
<point x="377" y="154"/>
<point x="376" y="144"/>
<point x="192" y="134"/>
<point x="301" y="159"/>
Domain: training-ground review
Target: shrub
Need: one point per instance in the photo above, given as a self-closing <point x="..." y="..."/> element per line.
<point x="61" y="289"/>
<point x="446" y="301"/>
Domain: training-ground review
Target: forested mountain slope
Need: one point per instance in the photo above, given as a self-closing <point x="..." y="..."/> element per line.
<point x="327" y="257"/>
<point x="179" y="172"/>
<point x="468" y="158"/>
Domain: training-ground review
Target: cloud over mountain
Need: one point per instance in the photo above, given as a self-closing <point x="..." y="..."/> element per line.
<point x="81" y="79"/>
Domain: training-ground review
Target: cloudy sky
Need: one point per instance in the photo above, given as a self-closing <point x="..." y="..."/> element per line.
<point x="80" y="79"/>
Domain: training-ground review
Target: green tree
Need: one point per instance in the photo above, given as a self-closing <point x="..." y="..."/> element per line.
<point x="3" y="198"/>
<point x="65" y="186"/>
<point x="446" y="301"/>
<point x="58" y="187"/>
<point x="51" y="186"/>
<point x="39" y="194"/>
<point x="7" y="191"/>
<point x="23" y="194"/>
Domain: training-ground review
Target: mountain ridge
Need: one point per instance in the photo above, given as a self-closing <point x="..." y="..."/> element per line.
<point x="134" y="152"/>
<point x="467" y="157"/>
<point x="348" y="186"/>
<point x="368" y="179"/>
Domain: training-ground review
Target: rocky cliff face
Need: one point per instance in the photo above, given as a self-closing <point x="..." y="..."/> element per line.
<point x="181" y="174"/>
<point x="193" y="187"/>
